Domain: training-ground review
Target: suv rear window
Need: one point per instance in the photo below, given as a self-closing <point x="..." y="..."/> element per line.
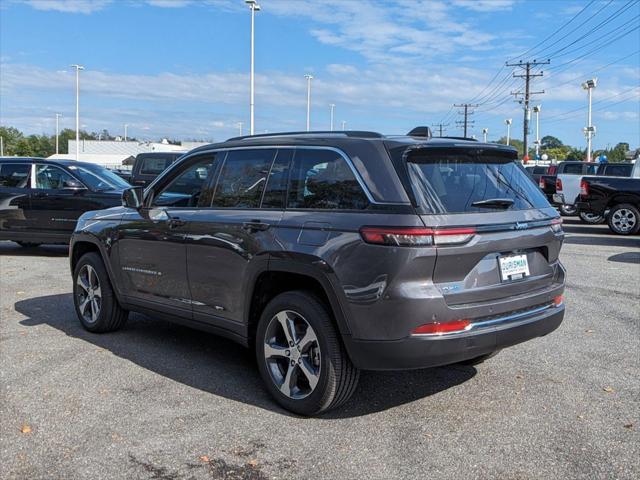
<point x="456" y="183"/>
<point x="155" y="165"/>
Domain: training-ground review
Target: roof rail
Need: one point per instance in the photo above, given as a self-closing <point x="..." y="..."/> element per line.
<point x="470" y="139"/>
<point x="313" y="133"/>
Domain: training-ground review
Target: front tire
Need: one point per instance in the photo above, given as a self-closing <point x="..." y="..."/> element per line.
<point x="624" y="219"/>
<point x="96" y="305"/>
<point x="567" y="210"/>
<point x="591" y="219"/>
<point x="301" y="357"/>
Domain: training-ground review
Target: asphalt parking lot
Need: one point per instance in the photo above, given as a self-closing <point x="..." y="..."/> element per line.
<point x="159" y="401"/>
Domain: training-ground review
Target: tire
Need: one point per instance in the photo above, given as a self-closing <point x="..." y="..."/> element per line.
<point x="624" y="219"/>
<point x="96" y="305"/>
<point x="28" y="244"/>
<point x="480" y="359"/>
<point x="567" y="210"/>
<point x="322" y="356"/>
<point x="591" y="219"/>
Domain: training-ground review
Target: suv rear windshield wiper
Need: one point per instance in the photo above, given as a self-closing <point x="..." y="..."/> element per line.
<point x="494" y="203"/>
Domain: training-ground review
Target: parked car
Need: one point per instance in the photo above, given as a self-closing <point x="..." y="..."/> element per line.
<point x="568" y="185"/>
<point x="328" y="253"/>
<point x="536" y="171"/>
<point x="615" y="198"/>
<point x="148" y="166"/>
<point x="41" y="200"/>
<point x="123" y="173"/>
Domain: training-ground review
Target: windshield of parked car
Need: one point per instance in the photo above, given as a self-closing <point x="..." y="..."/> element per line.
<point x="98" y="178"/>
<point x="464" y="183"/>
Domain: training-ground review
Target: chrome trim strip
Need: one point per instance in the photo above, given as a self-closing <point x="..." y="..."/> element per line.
<point x="346" y="158"/>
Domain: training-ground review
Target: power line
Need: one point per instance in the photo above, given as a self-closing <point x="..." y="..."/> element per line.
<point x="601" y="107"/>
<point x="441" y="127"/>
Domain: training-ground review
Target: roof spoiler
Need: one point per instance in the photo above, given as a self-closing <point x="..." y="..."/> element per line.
<point x="421" y="132"/>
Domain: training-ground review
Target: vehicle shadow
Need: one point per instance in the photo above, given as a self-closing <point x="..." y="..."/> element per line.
<point x="608" y="240"/>
<point x="626" y="257"/>
<point x="219" y="366"/>
<point x="15" y="250"/>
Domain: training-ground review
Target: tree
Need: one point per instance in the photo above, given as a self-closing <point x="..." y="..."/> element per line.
<point x="549" y="141"/>
<point x="10" y="137"/>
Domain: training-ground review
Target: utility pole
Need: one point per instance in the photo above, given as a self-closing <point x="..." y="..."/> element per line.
<point x="466" y="112"/>
<point x="332" y="106"/>
<point x="440" y="127"/>
<point x="527" y="96"/>
<point x="58" y="115"/>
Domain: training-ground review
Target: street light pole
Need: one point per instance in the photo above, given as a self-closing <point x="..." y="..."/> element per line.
<point x="508" y="122"/>
<point x="344" y="124"/>
<point x="308" y="77"/>
<point x="333" y="107"/>
<point x="253" y="5"/>
<point x="78" y="68"/>
<point x="240" y="127"/>
<point x="125" y="131"/>
<point x="589" y="130"/>
<point x="484" y="134"/>
<point x="58" y="115"/>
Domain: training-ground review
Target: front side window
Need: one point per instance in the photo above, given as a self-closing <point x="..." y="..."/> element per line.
<point x="190" y="187"/>
<point x="15" y="175"/>
<point x="321" y="179"/>
<point x="242" y="178"/>
<point x="50" y="177"/>
<point x="462" y="183"/>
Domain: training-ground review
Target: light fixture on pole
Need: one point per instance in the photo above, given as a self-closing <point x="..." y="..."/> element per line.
<point x="253" y="5"/>
<point x="344" y="124"/>
<point x="78" y="68"/>
<point x="508" y="123"/>
<point x="125" y="131"/>
<point x="308" y="77"/>
<point x="332" y="106"/>
<point x="536" y="110"/>
<point x="58" y="115"/>
<point x="589" y="130"/>
<point x="484" y="134"/>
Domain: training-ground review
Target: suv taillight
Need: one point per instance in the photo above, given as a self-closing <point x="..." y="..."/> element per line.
<point x="584" y="188"/>
<point x="558" y="185"/>
<point x="416" y="236"/>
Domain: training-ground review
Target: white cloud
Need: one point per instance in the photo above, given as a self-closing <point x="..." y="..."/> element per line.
<point x="485" y="5"/>
<point x="69" y="6"/>
<point x="169" y="3"/>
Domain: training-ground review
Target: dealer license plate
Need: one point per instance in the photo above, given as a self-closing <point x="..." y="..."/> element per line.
<point x="513" y="267"/>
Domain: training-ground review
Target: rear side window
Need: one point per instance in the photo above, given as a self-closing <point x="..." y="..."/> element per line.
<point x="460" y="183"/>
<point x="573" y="169"/>
<point x="321" y="179"/>
<point x="242" y="178"/>
<point x="618" y="170"/>
<point x="14" y="175"/>
<point x="539" y="170"/>
<point x="155" y="165"/>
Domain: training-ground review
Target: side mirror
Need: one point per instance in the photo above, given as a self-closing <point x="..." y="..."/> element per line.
<point x="132" y="197"/>
<point x="73" y="184"/>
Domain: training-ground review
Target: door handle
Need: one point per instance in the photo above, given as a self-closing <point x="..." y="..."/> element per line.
<point x="255" y="225"/>
<point x="39" y="194"/>
<point x="175" y="222"/>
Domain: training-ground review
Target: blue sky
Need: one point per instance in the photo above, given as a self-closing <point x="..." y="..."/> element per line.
<point x="179" y="68"/>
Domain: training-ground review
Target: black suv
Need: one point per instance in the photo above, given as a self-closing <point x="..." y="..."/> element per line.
<point x="332" y="252"/>
<point x="41" y="200"/>
<point x="148" y="166"/>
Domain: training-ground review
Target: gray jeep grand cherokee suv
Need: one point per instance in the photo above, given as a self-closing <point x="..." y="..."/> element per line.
<point x="328" y="253"/>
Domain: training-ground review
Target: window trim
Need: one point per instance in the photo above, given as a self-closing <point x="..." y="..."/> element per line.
<point x="345" y="157"/>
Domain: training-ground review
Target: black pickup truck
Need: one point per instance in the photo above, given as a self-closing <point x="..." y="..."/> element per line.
<point x="616" y="197"/>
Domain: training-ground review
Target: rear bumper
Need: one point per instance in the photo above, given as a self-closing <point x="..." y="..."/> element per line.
<point x="431" y="351"/>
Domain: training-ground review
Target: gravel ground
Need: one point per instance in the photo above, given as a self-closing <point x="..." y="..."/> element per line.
<point x="159" y="401"/>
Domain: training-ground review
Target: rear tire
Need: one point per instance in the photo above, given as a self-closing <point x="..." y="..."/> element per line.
<point x="624" y="219"/>
<point x="29" y="244"/>
<point x="96" y="305"/>
<point x="567" y="210"/>
<point x="591" y="219"/>
<point x="305" y="368"/>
